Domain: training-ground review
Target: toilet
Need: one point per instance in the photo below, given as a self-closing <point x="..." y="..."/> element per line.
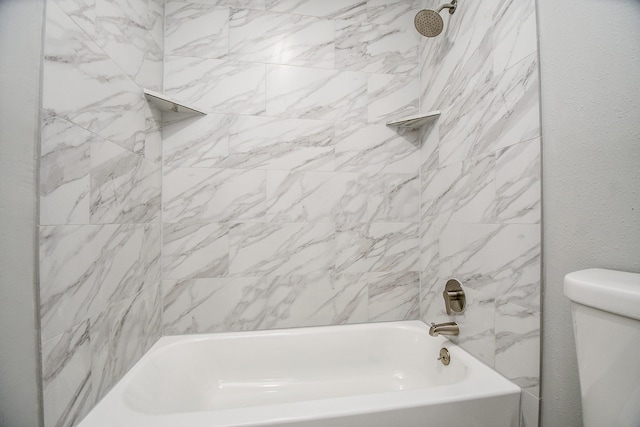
<point x="605" y="305"/>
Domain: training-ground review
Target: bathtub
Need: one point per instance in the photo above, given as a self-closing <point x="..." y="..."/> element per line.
<point x="381" y="374"/>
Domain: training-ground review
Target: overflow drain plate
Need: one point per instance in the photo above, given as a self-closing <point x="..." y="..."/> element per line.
<point x="445" y="357"/>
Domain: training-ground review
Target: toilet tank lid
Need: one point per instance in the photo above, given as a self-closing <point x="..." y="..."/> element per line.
<point x="608" y="290"/>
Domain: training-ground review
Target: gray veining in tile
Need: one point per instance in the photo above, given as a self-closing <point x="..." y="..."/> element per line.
<point x="329" y="9"/>
<point x="125" y="187"/>
<point x="398" y="13"/>
<point x="279" y="38"/>
<point x="216" y="85"/>
<point x="518" y="183"/>
<point x="313" y="93"/>
<point x="315" y="299"/>
<point x="196" y="30"/>
<point x="376" y="48"/>
<point x="194" y="251"/>
<point x="104" y="100"/>
<point x="280" y="249"/>
<point x="214" y="305"/>
<point x="64" y="172"/>
<point x="213" y="195"/>
<point x="394" y="296"/>
<point x="375" y="148"/>
<point x="66" y="376"/>
<point x="195" y="141"/>
<point x="377" y="247"/>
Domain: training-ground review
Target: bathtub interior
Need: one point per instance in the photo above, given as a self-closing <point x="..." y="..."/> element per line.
<point x="228" y="371"/>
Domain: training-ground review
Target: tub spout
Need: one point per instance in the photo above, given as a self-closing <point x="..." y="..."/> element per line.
<point x="447" y="328"/>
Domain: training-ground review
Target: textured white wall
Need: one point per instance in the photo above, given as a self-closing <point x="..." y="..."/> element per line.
<point x="590" y="57"/>
<point x="20" y="88"/>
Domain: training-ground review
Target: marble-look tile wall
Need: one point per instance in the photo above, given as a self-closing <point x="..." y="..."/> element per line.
<point x="100" y="188"/>
<point x="290" y="203"/>
<point x="480" y="184"/>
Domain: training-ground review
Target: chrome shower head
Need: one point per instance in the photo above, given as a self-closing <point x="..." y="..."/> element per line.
<point x="429" y="23"/>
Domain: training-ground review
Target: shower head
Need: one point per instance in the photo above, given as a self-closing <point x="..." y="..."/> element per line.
<point x="429" y="23"/>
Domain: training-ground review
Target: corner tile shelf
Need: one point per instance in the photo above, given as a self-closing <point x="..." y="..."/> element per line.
<point x="416" y="121"/>
<point x="167" y="104"/>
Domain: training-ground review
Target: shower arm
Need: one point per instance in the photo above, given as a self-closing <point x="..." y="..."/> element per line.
<point x="451" y="6"/>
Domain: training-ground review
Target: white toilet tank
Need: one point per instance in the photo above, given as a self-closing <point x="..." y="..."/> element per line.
<point x="606" y="321"/>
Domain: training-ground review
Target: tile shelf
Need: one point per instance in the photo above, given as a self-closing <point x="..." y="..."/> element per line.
<point x="164" y="103"/>
<point x="415" y="121"/>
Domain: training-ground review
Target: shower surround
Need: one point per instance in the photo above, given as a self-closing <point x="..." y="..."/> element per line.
<point x="480" y="185"/>
<point x="290" y="203"/>
<point x="100" y="189"/>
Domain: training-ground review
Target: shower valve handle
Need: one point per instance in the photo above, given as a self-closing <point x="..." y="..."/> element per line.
<point x="454" y="298"/>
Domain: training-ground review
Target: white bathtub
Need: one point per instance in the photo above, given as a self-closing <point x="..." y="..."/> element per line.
<point x="382" y="374"/>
